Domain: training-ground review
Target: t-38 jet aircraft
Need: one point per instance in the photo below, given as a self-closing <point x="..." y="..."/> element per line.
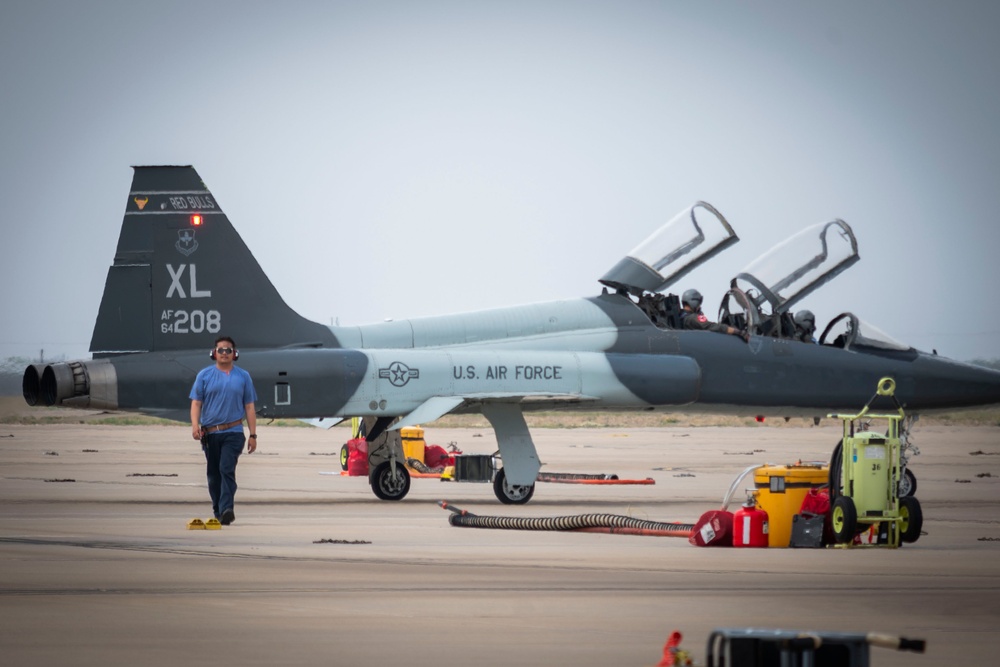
<point x="182" y="276"/>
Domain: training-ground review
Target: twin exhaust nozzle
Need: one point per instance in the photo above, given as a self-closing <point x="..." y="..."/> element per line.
<point x="77" y="384"/>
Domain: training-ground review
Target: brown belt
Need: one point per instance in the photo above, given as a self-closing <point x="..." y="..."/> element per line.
<point x="221" y="427"/>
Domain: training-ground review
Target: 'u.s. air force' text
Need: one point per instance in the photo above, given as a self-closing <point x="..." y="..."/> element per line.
<point x="507" y="372"/>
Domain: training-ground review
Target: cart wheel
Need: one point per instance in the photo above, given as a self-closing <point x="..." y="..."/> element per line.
<point x="511" y="495"/>
<point x="836" y="470"/>
<point x="387" y="486"/>
<point x="911" y="519"/>
<point x="344" y="453"/>
<point x="908" y="484"/>
<point x="845" y="519"/>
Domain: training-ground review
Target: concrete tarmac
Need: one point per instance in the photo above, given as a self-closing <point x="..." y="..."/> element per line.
<point x="97" y="566"/>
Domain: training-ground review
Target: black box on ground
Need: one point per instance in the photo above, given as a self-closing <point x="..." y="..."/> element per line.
<point x="473" y="468"/>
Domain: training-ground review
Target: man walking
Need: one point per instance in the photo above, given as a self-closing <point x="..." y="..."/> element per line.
<point x="221" y="396"/>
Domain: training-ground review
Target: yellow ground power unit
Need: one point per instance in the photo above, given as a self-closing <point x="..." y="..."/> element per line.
<point x="865" y="472"/>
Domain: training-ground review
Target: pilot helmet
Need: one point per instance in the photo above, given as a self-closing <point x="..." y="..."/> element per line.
<point x="804" y="319"/>
<point x="692" y="298"/>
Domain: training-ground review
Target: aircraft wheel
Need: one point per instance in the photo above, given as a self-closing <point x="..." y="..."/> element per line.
<point x="836" y="470"/>
<point x="908" y="484"/>
<point x="844" y="519"/>
<point x="511" y="495"/>
<point x="388" y="487"/>
<point x="344" y="453"/>
<point x="911" y="519"/>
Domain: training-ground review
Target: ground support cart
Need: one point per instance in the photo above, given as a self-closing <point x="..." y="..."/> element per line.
<point x="753" y="647"/>
<point x="864" y="477"/>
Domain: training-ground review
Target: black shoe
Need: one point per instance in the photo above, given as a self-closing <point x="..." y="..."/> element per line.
<point x="228" y="516"/>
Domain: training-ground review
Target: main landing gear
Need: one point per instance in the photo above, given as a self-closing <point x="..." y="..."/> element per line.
<point x="513" y="484"/>
<point x="511" y="494"/>
<point x="390" y="481"/>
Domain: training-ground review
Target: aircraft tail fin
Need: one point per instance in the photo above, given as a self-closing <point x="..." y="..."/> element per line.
<point x="182" y="276"/>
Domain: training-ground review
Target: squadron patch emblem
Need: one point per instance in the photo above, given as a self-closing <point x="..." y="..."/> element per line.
<point x="186" y="243"/>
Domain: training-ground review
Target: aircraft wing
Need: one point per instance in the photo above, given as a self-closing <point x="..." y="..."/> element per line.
<point x="431" y="409"/>
<point x="438" y="406"/>
<point x="322" y="422"/>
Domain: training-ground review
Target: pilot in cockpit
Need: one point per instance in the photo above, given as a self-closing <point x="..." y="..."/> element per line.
<point x="805" y="326"/>
<point x="693" y="318"/>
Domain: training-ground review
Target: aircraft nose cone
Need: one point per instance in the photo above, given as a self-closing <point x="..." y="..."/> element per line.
<point x="951" y="384"/>
<point x="985" y="383"/>
<point x="992" y="380"/>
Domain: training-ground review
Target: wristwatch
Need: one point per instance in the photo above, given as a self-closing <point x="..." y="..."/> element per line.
<point x="252" y="435"/>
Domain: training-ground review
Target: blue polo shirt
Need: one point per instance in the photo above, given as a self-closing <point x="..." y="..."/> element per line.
<point x="223" y="396"/>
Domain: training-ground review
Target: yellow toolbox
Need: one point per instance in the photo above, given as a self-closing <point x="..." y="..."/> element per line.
<point x="413" y="442"/>
<point x="780" y="491"/>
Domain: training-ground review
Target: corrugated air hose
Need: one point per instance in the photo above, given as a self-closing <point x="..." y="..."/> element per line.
<point x="549" y="476"/>
<point x="581" y="478"/>
<point x="591" y="523"/>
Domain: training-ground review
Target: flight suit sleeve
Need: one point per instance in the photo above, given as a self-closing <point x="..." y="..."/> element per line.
<point x="698" y="322"/>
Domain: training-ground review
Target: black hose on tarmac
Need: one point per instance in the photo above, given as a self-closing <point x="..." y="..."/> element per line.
<point x="559" y="476"/>
<point x="609" y="523"/>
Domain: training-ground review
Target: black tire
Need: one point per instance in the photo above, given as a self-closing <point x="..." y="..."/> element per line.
<point x="907" y="484"/>
<point x="844" y="518"/>
<point x="836" y="471"/>
<point x="511" y="495"/>
<point x="911" y="519"/>
<point x="385" y="487"/>
<point x="344" y="453"/>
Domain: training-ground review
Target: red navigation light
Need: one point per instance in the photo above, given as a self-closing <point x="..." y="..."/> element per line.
<point x="196" y="220"/>
<point x="760" y="419"/>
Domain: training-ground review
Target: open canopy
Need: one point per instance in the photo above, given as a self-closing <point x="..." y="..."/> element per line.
<point x="795" y="268"/>
<point x="760" y="297"/>
<point x="693" y="236"/>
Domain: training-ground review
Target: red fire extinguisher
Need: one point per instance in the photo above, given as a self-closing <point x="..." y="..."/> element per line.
<point x="750" y="526"/>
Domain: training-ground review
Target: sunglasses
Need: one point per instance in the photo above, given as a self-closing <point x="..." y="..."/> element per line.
<point x="224" y="350"/>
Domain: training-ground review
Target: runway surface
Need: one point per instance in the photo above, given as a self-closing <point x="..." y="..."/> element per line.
<point x="97" y="566"/>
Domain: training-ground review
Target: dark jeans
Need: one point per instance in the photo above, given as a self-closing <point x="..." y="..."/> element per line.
<point x="222" y="452"/>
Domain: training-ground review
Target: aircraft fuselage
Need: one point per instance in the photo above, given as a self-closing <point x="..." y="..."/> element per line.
<point x="598" y="354"/>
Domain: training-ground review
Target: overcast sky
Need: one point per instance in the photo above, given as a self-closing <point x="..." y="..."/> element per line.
<point x="403" y="159"/>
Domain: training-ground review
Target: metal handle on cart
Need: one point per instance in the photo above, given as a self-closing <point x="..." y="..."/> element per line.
<point x="897" y="643"/>
<point x="886" y="387"/>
